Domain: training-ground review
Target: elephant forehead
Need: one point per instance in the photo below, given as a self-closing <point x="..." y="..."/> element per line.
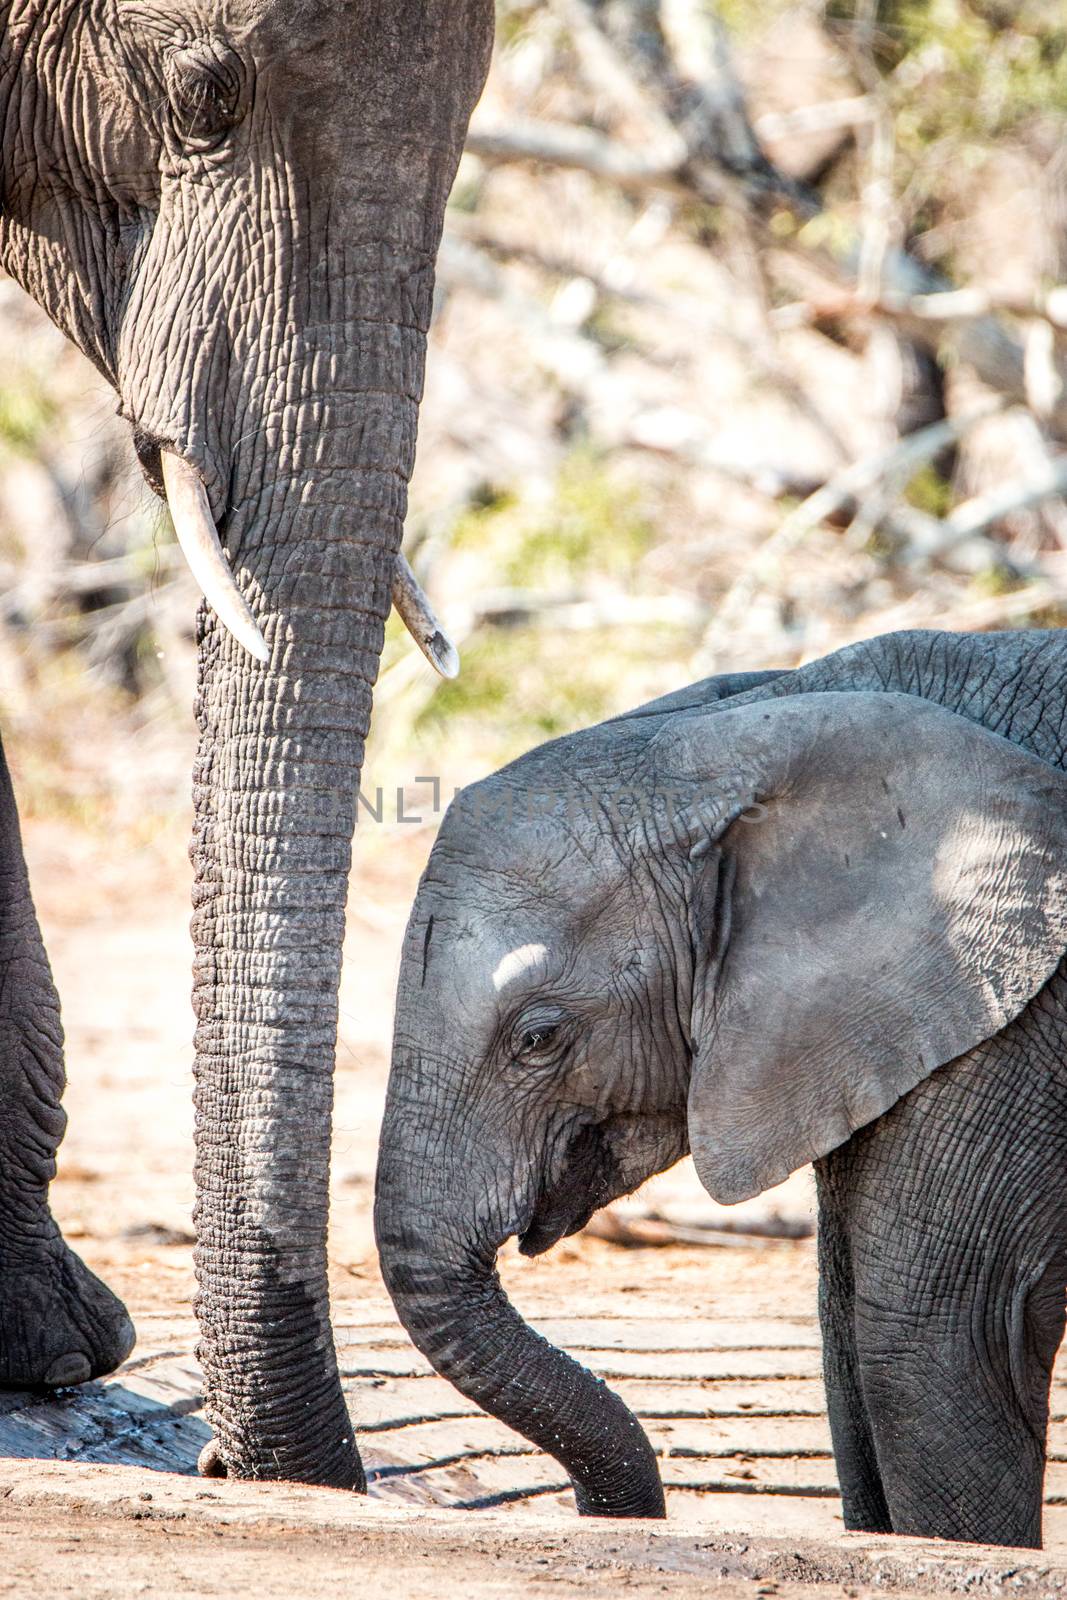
<point x="516" y="845"/>
<point x="411" y="32"/>
<point x="477" y="965"/>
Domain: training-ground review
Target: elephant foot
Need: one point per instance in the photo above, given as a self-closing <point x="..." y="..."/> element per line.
<point x="59" y="1325"/>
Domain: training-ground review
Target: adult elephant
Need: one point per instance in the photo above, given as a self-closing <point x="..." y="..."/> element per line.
<point x="818" y="916"/>
<point x="234" y="210"/>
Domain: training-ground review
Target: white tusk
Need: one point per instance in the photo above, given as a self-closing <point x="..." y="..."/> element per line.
<point x="190" y="511"/>
<point x="414" y="611"/>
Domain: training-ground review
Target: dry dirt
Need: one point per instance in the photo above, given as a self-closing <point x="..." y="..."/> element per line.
<point x="116" y="926"/>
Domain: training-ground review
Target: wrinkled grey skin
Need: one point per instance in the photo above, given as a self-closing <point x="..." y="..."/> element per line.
<point x="813" y="915"/>
<point x="234" y="210"/>
<point x="58" y="1323"/>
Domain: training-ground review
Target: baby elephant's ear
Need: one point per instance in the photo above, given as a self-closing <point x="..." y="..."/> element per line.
<point x="898" y="896"/>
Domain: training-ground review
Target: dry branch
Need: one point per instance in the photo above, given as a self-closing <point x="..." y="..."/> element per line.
<point x="941" y="308"/>
<point x="982" y="512"/>
<point x="610" y="74"/>
<point x="670" y="66"/>
<point x="580" y="148"/>
<point x="851" y="486"/>
<point x="647" y="1228"/>
<point x="679" y="55"/>
<point x="824" y="117"/>
<point x="965" y="319"/>
<point x="974" y="615"/>
<point x="580" y="613"/>
<point x="464" y="261"/>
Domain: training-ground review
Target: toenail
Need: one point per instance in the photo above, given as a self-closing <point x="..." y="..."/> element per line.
<point x="68" y="1369"/>
<point x="125" y="1335"/>
<point x="210" y="1463"/>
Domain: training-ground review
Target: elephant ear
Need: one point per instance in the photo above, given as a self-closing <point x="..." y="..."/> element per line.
<point x="897" y="894"/>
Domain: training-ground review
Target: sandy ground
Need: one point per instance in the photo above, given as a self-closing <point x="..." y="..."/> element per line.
<point x="277" y="1542"/>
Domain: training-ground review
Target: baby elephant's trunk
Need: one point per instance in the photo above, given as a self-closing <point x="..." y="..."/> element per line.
<point x="438" y="1261"/>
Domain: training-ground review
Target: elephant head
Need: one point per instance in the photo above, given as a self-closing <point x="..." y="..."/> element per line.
<point x="234" y="210"/>
<point x="741" y="929"/>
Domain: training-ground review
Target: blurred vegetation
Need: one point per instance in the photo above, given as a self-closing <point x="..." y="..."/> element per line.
<point x="27" y="413"/>
<point x="688" y="280"/>
<point x="963" y="79"/>
<point x="592" y="523"/>
<point x="984" y="71"/>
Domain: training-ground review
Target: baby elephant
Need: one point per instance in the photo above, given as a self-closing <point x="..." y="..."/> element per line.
<point x="771" y="919"/>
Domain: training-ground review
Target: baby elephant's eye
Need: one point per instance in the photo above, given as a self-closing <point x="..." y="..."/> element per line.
<point x="205" y="85"/>
<point x="538" y="1037"/>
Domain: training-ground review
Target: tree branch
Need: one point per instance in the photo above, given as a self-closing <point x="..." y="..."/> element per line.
<point x="901" y="462"/>
<point x="581" y="148"/>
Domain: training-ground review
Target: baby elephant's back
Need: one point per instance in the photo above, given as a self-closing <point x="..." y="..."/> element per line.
<point x="1013" y="683"/>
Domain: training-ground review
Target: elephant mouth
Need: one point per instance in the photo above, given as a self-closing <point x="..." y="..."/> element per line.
<point x="149" y="452"/>
<point x="590" y="1179"/>
<point x="549" y="1225"/>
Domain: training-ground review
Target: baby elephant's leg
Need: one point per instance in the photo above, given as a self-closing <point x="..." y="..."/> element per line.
<point x="863" y="1501"/>
<point x="58" y="1323"/>
<point x="953" y="1210"/>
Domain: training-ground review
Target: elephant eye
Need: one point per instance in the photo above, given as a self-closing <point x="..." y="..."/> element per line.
<point x="205" y="84"/>
<point x="538" y="1038"/>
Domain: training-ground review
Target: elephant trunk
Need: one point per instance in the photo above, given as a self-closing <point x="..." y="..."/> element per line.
<point x="275" y="785"/>
<point x="438" y="1249"/>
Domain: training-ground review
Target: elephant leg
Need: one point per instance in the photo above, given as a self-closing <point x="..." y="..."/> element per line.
<point x="58" y="1323"/>
<point x="953" y="1212"/>
<point x="863" y="1499"/>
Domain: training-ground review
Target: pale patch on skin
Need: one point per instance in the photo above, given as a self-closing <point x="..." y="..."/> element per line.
<point x="1018" y="872"/>
<point x="516" y="963"/>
